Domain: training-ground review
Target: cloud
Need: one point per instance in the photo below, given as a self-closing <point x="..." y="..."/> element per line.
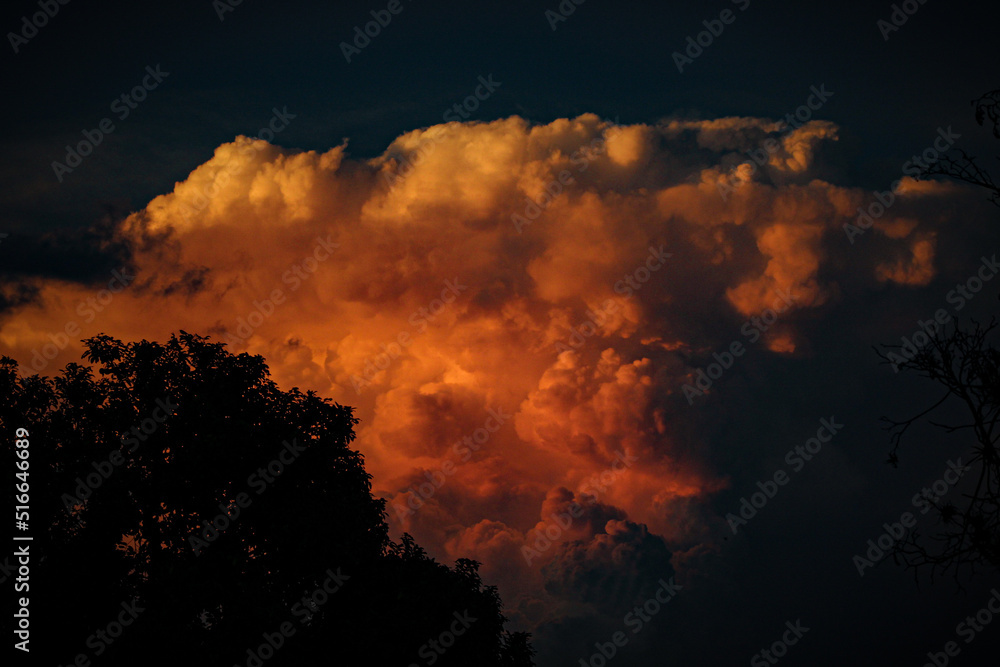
<point x="401" y="285"/>
<point x="612" y="570"/>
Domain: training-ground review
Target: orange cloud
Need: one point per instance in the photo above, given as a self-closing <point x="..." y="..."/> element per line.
<point x="400" y="285"/>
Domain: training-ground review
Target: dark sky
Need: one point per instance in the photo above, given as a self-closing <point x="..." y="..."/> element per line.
<point x="613" y="60"/>
<point x="791" y="562"/>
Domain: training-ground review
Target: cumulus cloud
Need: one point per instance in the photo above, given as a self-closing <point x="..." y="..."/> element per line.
<point x="403" y="285"/>
<point x="612" y="570"/>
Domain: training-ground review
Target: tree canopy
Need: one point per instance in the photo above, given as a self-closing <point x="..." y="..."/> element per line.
<point x="179" y="481"/>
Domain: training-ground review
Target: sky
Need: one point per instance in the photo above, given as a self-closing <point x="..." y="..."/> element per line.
<point x="586" y="286"/>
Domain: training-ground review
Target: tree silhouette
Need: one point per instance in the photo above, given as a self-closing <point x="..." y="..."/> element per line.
<point x="964" y="363"/>
<point x="963" y="167"/>
<point x="968" y="368"/>
<point x="182" y="481"/>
